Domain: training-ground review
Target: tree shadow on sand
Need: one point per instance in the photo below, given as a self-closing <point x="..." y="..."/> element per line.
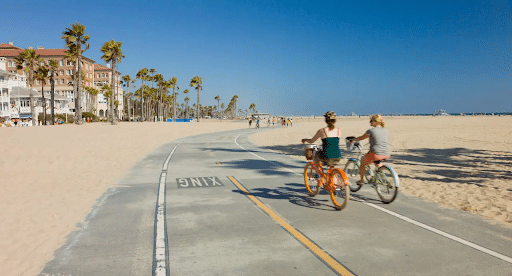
<point x="457" y="165"/>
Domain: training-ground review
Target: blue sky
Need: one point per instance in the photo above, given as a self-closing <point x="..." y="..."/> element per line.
<point x="299" y="57"/>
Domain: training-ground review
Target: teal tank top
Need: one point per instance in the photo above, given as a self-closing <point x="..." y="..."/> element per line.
<point x="331" y="148"/>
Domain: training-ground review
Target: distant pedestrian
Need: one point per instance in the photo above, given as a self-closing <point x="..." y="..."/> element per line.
<point x="291" y="122"/>
<point x="287" y="122"/>
<point x="258" y="123"/>
<point x="250" y="123"/>
<point x="274" y="122"/>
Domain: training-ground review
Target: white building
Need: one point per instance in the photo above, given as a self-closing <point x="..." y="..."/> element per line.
<point x="15" y="97"/>
<point x="8" y="80"/>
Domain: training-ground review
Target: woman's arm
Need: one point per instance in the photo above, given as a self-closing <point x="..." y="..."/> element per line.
<point x="362" y="137"/>
<point x="312" y="140"/>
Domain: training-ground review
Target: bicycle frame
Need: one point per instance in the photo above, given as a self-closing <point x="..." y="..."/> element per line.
<point x="373" y="171"/>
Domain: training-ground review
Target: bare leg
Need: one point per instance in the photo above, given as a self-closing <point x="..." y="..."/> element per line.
<point x="362" y="171"/>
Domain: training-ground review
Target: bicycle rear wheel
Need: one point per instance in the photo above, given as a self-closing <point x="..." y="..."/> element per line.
<point x="352" y="171"/>
<point x="386" y="184"/>
<point x="311" y="179"/>
<point x="339" y="191"/>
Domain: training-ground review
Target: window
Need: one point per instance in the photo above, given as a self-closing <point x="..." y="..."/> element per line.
<point x="10" y="64"/>
<point x="98" y="75"/>
<point x="68" y="72"/>
<point x="62" y="81"/>
<point x="38" y="82"/>
<point x="61" y="63"/>
<point x="62" y="72"/>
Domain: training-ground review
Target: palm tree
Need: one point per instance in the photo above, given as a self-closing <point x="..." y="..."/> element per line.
<point x="106" y="90"/>
<point x="53" y="68"/>
<point x="235" y="98"/>
<point x="222" y="108"/>
<point x="252" y="107"/>
<point x="75" y="37"/>
<point x="112" y="53"/>
<point x="30" y="59"/>
<point x="142" y="75"/>
<point x="93" y="93"/>
<point x="197" y="82"/>
<point x="41" y="75"/>
<point x="173" y="83"/>
<point x="160" y="83"/>
<point x="218" y="100"/>
<point x="126" y="81"/>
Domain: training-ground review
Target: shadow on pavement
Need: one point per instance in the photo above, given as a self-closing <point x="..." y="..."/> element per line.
<point x="296" y="194"/>
<point x="262" y="166"/>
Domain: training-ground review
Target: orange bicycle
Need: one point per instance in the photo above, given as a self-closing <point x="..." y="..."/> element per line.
<point x="334" y="180"/>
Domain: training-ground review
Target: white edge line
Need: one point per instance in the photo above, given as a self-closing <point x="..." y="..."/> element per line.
<point x="444" y="234"/>
<point x="437" y="231"/>
<point x="160" y="254"/>
<point x="262" y="157"/>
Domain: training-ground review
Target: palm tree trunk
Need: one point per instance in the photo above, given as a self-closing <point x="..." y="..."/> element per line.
<point x="112" y="84"/>
<point x="52" y="98"/>
<point x="78" y="79"/>
<point x="43" y="103"/>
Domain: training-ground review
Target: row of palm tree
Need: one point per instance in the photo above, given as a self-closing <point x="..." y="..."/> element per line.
<point x="76" y="43"/>
<point x="153" y="101"/>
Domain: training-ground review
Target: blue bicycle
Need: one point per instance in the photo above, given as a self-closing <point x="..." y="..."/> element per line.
<point x="383" y="178"/>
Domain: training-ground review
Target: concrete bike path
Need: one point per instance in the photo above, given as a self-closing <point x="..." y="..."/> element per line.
<point x="219" y="230"/>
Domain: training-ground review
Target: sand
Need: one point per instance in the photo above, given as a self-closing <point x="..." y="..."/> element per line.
<point x="51" y="176"/>
<point x="460" y="162"/>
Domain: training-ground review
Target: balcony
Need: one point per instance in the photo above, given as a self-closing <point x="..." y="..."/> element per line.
<point x="5" y="113"/>
<point x="5" y="99"/>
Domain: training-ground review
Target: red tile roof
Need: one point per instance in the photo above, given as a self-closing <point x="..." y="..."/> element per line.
<point x="7" y="46"/>
<point x="101" y="67"/>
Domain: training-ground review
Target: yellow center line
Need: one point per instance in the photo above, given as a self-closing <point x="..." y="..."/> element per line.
<point x="326" y="258"/>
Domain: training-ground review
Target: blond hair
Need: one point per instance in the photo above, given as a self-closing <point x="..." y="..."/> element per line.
<point x="378" y="119"/>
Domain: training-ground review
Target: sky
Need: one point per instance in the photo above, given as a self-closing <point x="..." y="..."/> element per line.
<point x="298" y="58"/>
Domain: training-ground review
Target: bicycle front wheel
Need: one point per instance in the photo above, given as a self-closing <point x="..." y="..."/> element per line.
<point x="352" y="171"/>
<point x="339" y="191"/>
<point x="386" y="184"/>
<point x="311" y="179"/>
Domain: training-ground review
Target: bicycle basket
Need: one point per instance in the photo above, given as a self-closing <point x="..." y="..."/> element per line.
<point x="309" y="152"/>
<point x="350" y="146"/>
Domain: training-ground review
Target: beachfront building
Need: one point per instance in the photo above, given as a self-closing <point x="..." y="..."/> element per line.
<point x="8" y="81"/>
<point x="63" y="82"/>
<point x="102" y="76"/>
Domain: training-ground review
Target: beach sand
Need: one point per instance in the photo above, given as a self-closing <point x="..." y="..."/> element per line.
<point x="51" y="176"/>
<point x="460" y="162"/>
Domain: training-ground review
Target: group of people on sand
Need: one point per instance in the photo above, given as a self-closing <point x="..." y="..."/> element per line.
<point x="285" y="122"/>
<point x="331" y="135"/>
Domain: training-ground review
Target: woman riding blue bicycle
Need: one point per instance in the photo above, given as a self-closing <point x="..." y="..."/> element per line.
<point x="379" y="144"/>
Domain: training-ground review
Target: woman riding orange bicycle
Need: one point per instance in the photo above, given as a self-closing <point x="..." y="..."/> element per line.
<point x="330" y="135"/>
<point x="335" y="181"/>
